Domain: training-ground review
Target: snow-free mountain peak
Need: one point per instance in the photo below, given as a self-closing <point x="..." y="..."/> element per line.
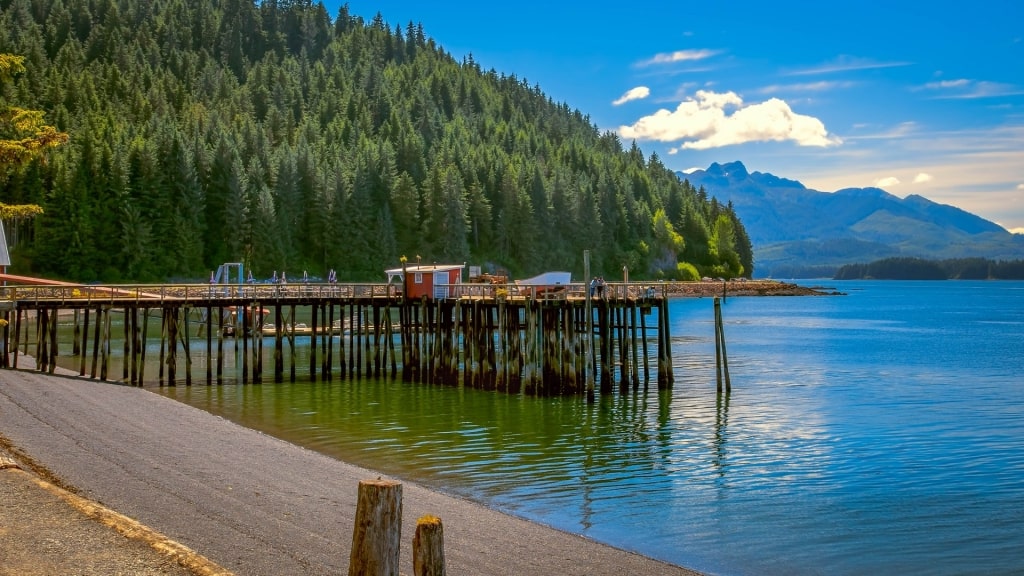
<point x="795" y="228"/>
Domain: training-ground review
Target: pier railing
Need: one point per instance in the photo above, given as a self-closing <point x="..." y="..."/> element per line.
<point x="158" y="293"/>
<point x="87" y="294"/>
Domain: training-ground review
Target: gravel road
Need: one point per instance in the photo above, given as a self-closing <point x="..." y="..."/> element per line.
<point x="252" y="503"/>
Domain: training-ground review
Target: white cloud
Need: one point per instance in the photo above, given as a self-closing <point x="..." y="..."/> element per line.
<point x="896" y="132"/>
<point x="805" y="87"/>
<point x="845" y="64"/>
<point x="886" y="182"/>
<point x="679" y="56"/>
<point x="965" y="89"/>
<point x="702" y="122"/>
<point x="1020" y="186"/>
<point x="943" y="84"/>
<point x="1017" y="230"/>
<point x="638" y="93"/>
<point x="922" y="177"/>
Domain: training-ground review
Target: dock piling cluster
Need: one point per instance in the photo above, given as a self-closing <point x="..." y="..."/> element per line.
<point x="484" y="337"/>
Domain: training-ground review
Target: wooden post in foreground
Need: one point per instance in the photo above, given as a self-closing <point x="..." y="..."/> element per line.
<point x="428" y="547"/>
<point x="376" y="538"/>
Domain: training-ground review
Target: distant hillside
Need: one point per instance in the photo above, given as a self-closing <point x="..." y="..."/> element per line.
<point x="799" y="232"/>
<point x="918" y="269"/>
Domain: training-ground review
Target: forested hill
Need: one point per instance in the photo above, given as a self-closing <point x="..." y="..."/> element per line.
<point x="211" y="131"/>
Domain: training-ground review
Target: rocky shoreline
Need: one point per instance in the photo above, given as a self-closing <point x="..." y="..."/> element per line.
<point x="746" y="288"/>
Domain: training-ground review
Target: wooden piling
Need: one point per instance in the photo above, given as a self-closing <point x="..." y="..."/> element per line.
<point x="127" y="350"/>
<point x="721" y="358"/>
<point x="138" y="344"/>
<point x="391" y="339"/>
<point x="358" y="327"/>
<point x="5" y="361"/>
<point x="665" y="378"/>
<point x="42" y="340"/>
<point x="428" y="547"/>
<point x="319" y="310"/>
<point x="25" y="340"/>
<point x="643" y="339"/>
<point x="186" y="345"/>
<point x="605" y="332"/>
<point x="52" y="363"/>
<point x="142" y="346"/>
<point x="172" y="345"/>
<point x="291" y="342"/>
<point x="368" y="332"/>
<point x="95" y="341"/>
<point x="220" y="345"/>
<point x="376" y="537"/>
<point x="328" y="342"/>
<point x="83" y="349"/>
<point x="244" y="336"/>
<point x="40" y="314"/>
<point x="17" y="331"/>
<point x="278" y="345"/>
<point x="635" y="364"/>
<point x="126" y="364"/>
<point x="623" y="352"/>
<point x="377" y="331"/>
<point x="353" y="342"/>
<point x="76" y="332"/>
<point x="209" y="345"/>
<point x="163" y="341"/>
<point x="342" y="365"/>
<point x="312" y="344"/>
<point x="257" y="341"/>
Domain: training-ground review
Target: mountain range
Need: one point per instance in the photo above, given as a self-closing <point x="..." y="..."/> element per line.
<point x="797" y="232"/>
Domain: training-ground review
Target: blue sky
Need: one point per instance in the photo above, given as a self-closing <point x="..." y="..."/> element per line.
<point x="915" y="98"/>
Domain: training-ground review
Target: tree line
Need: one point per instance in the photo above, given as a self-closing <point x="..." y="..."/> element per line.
<point x="921" y="269"/>
<point x="212" y="131"/>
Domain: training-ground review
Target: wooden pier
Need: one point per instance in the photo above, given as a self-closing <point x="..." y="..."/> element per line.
<point x="484" y="336"/>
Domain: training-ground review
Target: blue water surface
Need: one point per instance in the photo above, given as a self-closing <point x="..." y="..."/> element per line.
<point x="881" y="431"/>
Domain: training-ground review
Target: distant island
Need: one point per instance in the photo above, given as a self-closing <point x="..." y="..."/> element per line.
<point x="921" y="269"/>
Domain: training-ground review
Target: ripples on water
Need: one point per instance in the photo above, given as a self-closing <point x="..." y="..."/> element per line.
<point x="877" y="432"/>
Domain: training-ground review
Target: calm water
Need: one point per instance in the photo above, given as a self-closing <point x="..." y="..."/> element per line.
<point x="881" y="431"/>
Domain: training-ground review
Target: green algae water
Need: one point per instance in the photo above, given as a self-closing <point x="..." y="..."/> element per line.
<point x="877" y="432"/>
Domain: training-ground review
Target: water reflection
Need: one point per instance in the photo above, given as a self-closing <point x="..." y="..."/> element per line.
<point x="721" y="423"/>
